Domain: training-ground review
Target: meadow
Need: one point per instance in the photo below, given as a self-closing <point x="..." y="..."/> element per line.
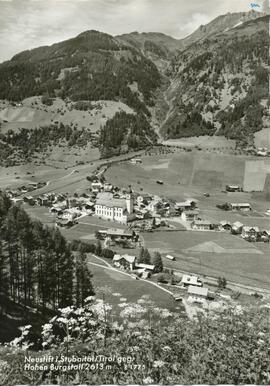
<point x="123" y="286"/>
<point x="214" y="254"/>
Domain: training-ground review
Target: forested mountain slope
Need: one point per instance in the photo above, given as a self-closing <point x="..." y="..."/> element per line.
<point x="213" y="82"/>
<point x="220" y="85"/>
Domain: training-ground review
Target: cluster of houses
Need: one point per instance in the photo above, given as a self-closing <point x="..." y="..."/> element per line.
<point x="249" y="233"/>
<point x="31" y="186"/>
<point x="123" y="207"/>
<point x="196" y="292"/>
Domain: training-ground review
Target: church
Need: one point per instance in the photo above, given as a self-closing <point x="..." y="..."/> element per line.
<point x="114" y="209"/>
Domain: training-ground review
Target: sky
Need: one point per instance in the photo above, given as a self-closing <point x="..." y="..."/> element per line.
<point x="25" y="24"/>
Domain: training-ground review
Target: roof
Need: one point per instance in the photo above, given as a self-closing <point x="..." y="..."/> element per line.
<point x="240" y="204"/>
<point x="233" y="186"/>
<point x="184" y="203"/>
<point x="119" y="232"/>
<point x="192" y="212"/>
<point x="107" y="199"/>
<point x="202" y="222"/>
<point x="145" y="266"/>
<point x="128" y="258"/>
<point x="193" y="290"/>
<point x="190" y="279"/>
<point x="237" y="224"/>
<point x="225" y="222"/>
<point x="247" y="228"/>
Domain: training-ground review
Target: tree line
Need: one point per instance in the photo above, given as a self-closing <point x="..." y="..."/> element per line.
<point x="37" y="265"/>
<point x="125" y="132"/>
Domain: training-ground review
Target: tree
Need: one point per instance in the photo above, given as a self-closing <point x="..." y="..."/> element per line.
<point x="83" y="286"/>
<point x="222" y="282"/>
<point x="99" y="248"/>
<point x="157" y="262"/>
<point x="144" y="256"/>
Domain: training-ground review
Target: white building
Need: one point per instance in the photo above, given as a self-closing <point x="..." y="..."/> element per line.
<point x="197" y="294"/>
<point x="114" y="209"/>
<point x="244" y="207"/>
<point x="193" y="280"/>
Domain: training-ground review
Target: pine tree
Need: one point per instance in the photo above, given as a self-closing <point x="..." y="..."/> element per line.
<point x="141" y="256"/>
<point x="157" y="262"/>
<point x="83" y="287"/>
<point x="99" y="248"/>
<point x="146" y="256"/>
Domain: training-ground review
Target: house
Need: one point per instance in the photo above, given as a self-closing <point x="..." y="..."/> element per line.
<point x="115" y="233"/>
<point x="201" y="225"/>
<point x="67" y="223"/>
<point x="250" y="233"/>
<point x="71" y="214"/>
<point x="265" y="236"/>
<point x="124" y="261"/>
<point x="243" y="207"/>
<point x="237" y="228"/>
<point x="136" y="161"/>
<point x="191" y="280"/>
<point x="225" y="225"/>
<point x="154" y="206"/>
<point x="185" y="205"/>
<point x="262" y="151"/>
<point x="143" y="198"/>
<point x="190" y="215"/>
<point x="29" y="200"/>
<point x="107" y="187"/>
<point x="197" y="294"/>
<point x="114" y="209"/>
<point x="233" y="188"/>
<point x="56" y="210"/>
<point x="145" y="268"/>
<point x="96" y="187"/>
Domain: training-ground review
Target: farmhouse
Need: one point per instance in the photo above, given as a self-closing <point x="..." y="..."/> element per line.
<point x="185" y="205"/>
<point x="225" y="225"/>
<point x="67" y="223"/>
<point x="143" y="198"/>
<point x="190" y="215"/>
<point x="114" y="233"/>
<point x="124" y="261"/>
<point x="244" y="207"/>
<point x="191" y="280"/>
<point x="233" y="188"/>
<point x="201" y="225"/>
<point x="96" y="186"/>
<point x="197" y="294"/>
<point x="114" y="209"/>
<point x="29" y="200"/>
<point x="145" y="267"/>
<point x="265" y="236"/>
<point x="136" y="161"/>
<point x="250" y="233"/>
<point x="237" y="227"/>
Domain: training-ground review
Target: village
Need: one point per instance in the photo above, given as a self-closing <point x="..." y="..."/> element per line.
<point x="140" y="211"/>
<point x="126" y="215"/>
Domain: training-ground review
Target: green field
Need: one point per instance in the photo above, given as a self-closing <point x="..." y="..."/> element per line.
<point x="202" y="252"/>
<point x="130" y="289"/>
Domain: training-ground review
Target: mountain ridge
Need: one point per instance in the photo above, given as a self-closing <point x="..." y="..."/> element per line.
<point x="176" y="87"/>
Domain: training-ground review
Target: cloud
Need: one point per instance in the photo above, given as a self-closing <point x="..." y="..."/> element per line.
<point x="25" y="24"/>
